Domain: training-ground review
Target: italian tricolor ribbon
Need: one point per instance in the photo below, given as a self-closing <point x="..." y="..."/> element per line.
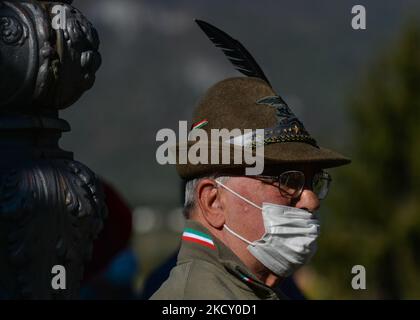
<point x="199" y="125"/>
<point x="198" y="237"/>
<point x="244" y="277"/>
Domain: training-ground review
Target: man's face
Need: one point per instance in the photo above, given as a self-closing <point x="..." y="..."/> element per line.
<point x="246" y="219"/>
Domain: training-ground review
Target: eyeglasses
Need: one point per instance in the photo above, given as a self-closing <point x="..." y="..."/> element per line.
<point x="291" y="183"/>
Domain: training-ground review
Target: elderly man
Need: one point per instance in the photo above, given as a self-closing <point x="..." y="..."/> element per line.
<point x="246" y="233"/>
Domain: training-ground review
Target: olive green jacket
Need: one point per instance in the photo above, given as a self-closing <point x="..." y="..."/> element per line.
<point x="207" y="270"/>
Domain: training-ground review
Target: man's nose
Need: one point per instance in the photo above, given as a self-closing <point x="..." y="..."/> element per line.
<point x="308" y="201"/>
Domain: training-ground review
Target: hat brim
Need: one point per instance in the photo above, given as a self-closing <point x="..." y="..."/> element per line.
<point x="283" y="154"/>
<point x="302" y="153"/>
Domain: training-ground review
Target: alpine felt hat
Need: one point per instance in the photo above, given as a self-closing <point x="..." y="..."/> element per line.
<point x="250" y="103"/>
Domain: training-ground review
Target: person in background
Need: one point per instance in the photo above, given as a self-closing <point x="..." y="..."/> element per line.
<point x="111" y="271"/>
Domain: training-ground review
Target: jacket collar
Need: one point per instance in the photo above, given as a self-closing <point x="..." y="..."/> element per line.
<point x="199" y="243"/>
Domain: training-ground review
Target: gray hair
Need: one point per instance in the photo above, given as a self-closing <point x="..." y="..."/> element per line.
<point x="190" y="189"/>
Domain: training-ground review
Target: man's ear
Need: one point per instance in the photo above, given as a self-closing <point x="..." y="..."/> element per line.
<point x="209" y="201"/>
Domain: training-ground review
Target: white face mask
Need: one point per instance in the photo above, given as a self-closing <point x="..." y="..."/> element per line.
<point x="289" y="240"/>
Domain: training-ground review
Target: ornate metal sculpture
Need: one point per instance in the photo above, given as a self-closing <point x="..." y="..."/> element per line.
<point x="51" y="207"/>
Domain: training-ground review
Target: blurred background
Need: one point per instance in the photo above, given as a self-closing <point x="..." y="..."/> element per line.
<point x="357" y="91"/>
